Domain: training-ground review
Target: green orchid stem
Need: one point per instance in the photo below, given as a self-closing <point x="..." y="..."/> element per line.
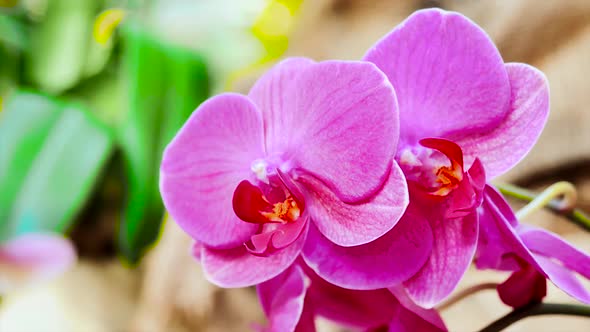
<point x="575" y="215"/>
<point x="537" y="309"/>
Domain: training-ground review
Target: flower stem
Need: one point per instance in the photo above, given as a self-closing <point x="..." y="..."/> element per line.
<point x="563" y="207"/>
<point x="537" y="309"/>
<point x="465" y="293"/>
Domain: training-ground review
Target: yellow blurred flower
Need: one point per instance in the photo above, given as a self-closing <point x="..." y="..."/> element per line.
<point x="105" y="24"/>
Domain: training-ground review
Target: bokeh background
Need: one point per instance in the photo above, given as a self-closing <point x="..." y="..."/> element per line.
<point x="88" y="105"/>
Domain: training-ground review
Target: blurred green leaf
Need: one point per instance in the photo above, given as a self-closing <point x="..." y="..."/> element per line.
<point x="165" y="85"/>
<point x="50" y="156"/>
<point x="62" y="50"/>
<point x="13" y="33"/>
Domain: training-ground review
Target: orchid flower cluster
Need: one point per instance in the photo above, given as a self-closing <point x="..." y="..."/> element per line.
<point x="358" y="190"/>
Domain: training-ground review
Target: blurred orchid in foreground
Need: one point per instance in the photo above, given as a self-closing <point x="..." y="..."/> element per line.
<point x="463" y="113"/>
<point x="296" y="297"/>
<point x="32" y="258"/>
<point x="309" y="149"/>
<point x="533" y="253"/>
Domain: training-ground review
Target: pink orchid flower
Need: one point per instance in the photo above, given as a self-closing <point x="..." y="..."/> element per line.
<point x="32" y="258"/>
<point x="465" y="118"/>
<point x="293" y="300"/>
<point x="532" y="253"/>
<point x="311" y="146"/>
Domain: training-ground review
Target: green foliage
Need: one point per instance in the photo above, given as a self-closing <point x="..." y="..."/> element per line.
<point x="62" y="50"/>
<point x="165" y="84"/>
<point x="50" y="155"/>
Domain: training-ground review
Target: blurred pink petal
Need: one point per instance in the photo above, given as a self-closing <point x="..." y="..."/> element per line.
<point x="33" y="257"/>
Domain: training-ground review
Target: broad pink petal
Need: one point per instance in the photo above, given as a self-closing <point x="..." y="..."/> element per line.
<point x="563" y="278"/>
<point x="202" y="166"/>
<point x="355" y="224"/>
<point x="499" y="240"/>
<point x="361" y="309"/>
<point x="387" y="261"/>
<point x="307" y="321"/>
<point x="274" y="94"/>
<point x="237" y="267"/>
<point x="448" y="75"/>
<point x="523" y="287"/>
<point x="405" y="320"/>
<point x="415" y="318"/>
<point x="454" y="244"/>
<point x="545" y="243"/>
<point x="504" y="146"/>
<point x="282" y="299"/>
<point x="33" y="257"/>
<point x="338" y="121"/>
<point x="498" y="236"/>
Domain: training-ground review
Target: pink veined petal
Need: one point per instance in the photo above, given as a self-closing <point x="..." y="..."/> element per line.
<point x="202" y="166"/>
<point x="523" y="287"/>
<point x="406" y="320"/>
<point x="282" y="299"/>
<point x="355" y="224"/>
<point x="387" y="261"/>
<point x="33" y="257"/>
<point x="504" y="146"/>
<point x="563" y="278"/>
<point x="236" y="267"/>
<point x="448" y="75"/>
<point x="547" y="244"/>
<point x="337" y="121"/>
<point x="274" y="94"/>
<point x="422" y="320"/>
<point x="360" y="309"/>
<point x="454" y="244"/>
<point x="500" y="230"/>
<point x="498" y="236"/>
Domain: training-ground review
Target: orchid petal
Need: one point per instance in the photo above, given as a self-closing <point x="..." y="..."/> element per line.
<point x="355" y="224"/>
<point x="274" y="95"/>
<point x="413" y="317"/>
<point x="496" y="228"/>
<point x="237" y="267"/>
<point x="361" y="309"/>
<point x="282" y="299"/>
<point x="564" y="279"/>
<point x="387" y="261"/>
<point x="454" y="244"/>
<point x="504" y="146"/>
<point x="204" y="164"/>
<point x="523" y="287"/>
<point x="33" y="257"/>
<point x="448" y="75"/>
<point x="335" y="118"/>
<point x="542" y="242"/>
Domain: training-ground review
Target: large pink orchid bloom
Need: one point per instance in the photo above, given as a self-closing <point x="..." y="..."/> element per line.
<point x="310" y="147"/>
<point x="32" y="258"/>
<point x="293" y="300"/>
<point x="532" y="253"/>
<point x="465" y="117"/>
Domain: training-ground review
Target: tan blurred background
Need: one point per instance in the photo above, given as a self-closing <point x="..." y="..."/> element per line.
<point x="168" y="292"/>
